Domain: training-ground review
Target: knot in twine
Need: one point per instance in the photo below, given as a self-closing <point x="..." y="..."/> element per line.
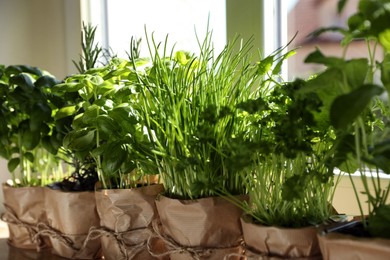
<point x="10" y="218"/>
<point x="130" y="242"/>
<point x="173" y="247"/>
<point x="45" y="230"/>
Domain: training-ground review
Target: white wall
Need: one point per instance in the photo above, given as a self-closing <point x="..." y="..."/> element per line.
<point x="42" y="33"/>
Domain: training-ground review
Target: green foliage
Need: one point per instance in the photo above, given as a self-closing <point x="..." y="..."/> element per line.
<point x="289" y="178"/>
<point x="190" y="104"/>
<point x="91" y="51"/>
<point x="27" y="128"/>
<point x="359" y="109"/>
<point x="105" y="125"/>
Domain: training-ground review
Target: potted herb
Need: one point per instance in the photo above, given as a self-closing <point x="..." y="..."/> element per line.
<point x="290" y="181"/>
<point x="73" y="197"/>
<point x="188" y="104"/>
<point x="29" y="142"/>
<point x="359" y="112"/>
<point x="106" y="128"/>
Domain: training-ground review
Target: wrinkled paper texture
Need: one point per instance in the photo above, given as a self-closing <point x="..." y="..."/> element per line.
<point x="339" y="246"/>
<point x="72" y="214"/>
<point x="128" y="215"/>
<point x="297" y="243"/>
<point x="207" y="228"/>
<point x="24" y="204"/>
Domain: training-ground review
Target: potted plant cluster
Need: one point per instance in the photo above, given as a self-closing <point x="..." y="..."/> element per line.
<point x="202" y="155"/>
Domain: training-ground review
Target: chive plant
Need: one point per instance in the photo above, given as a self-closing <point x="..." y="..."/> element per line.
<point x="189" y="106"/>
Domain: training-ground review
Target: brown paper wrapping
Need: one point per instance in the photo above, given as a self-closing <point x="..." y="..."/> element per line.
<point x="296" y="243"/>
<point x="206" y="228"/>
<point x="126" y="217"/>
<point x="345" y="247"/>
<point x="70" y="216"/>
<point x="24" y="209"/>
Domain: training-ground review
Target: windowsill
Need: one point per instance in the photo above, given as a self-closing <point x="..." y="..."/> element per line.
<point x="381" y="174"/>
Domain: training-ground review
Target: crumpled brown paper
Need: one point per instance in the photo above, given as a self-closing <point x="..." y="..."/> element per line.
<point x="24" y="209"/>
<point x="126" y="217"/>
<point x="339" y="246"/>
<point x="295" y="243"/>
<point x="207" y="228"/>
<point x="70" y="216"/>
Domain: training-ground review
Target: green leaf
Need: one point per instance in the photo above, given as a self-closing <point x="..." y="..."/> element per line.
<point x="87" y="91"/>
<point x="384" y="39"/>
<point x="67" y="87"/>
<point x="107" y="125"/>
<point x="182" y="57"/>
<point x="125" y="118"/>
<point x="46" y="81"/>
<point x="294" y="187"/>
<point x="378" y="224"/>
<point x="23" y="80"/>
<point x="90" y="114"/>
<point x="105" y="88"/>
<point x="113" y="158"/>
<point x="346" y="108"/>
<point x="355" y="22"/>
<point x="40" y="113"/>
<point x="13" y="164"/>
<point x="17" y="69"/>
<point x="79" y="140"/>
<point x="29" y="156"/>
<point x="65" y="112"/>
<point x="318" y="57"/>
<point x="385" y="72"/>
<point x="356" y="72"/>
<point x="265" y="65"/>
<point x="30" y="139"/>
<point x="46" y="143"/>
<point x="341" y="5"/>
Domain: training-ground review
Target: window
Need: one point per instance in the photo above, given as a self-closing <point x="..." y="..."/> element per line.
<point x="273" y="22"/>
<point x="120" y="20"/>
<point x="304" y="17"/>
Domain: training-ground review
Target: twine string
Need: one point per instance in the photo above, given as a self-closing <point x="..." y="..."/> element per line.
<point x="128" y="250"/>
<point x="173" y="247"/>
<point x="45" y="230"/>
<point x="10" y="218"/>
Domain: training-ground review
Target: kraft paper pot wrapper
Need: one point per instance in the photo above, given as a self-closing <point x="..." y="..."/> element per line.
<point x="126" y="217"/>
<point x="70" y="216"/>
<point x="24" y="210"/>
<point x="340" y="246"/>
<point x="278" y="241"/>
<point x="126" y="209"/>
<point x="207" y="228"/>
